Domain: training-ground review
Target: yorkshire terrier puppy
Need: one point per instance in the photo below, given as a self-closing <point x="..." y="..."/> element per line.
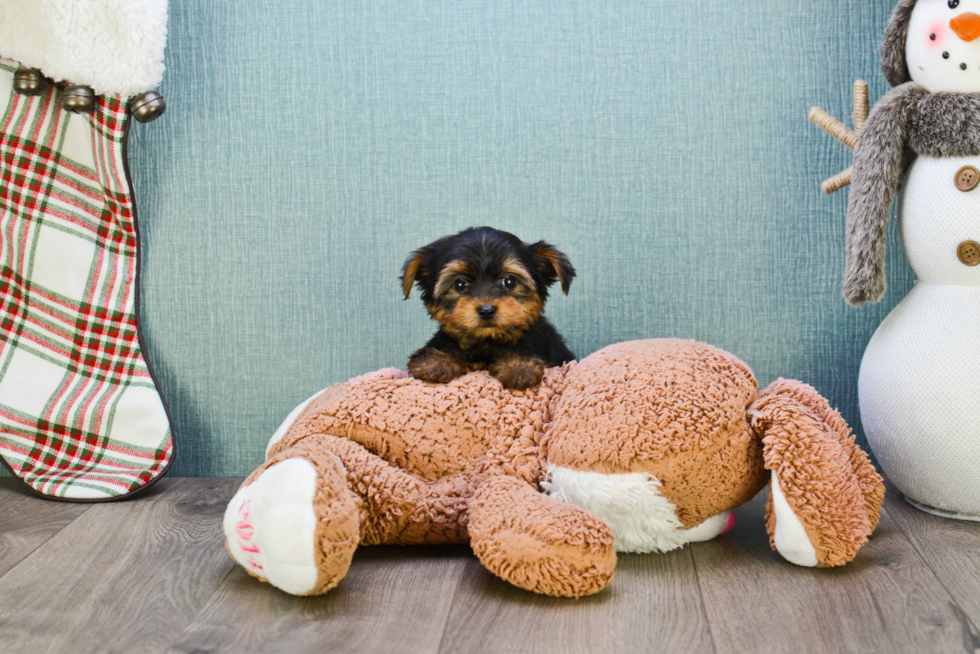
<point x="487" y="288"/>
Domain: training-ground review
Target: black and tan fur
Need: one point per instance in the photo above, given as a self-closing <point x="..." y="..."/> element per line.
<point x="486" y="271"/>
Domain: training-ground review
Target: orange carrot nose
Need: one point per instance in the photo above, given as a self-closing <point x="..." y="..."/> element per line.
<point x="966" y="26"/>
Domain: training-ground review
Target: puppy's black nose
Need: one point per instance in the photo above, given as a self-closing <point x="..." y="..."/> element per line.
<point x="486" y="311"/>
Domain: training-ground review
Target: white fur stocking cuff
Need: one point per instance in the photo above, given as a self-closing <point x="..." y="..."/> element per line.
<point x="114" y="46"/>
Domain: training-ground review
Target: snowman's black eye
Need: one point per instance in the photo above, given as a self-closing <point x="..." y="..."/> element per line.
<point x="932" y="37"/>
<point x="945" y="55"/>
<point x="962" y="66"/>
<point x="953" y="4"/>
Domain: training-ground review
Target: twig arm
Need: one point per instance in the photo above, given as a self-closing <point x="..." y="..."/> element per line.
<point x="838" y="181"/>
<point x="861" y="105"/>
<point x="834" y="127"/>
<point x="839" y="131"/>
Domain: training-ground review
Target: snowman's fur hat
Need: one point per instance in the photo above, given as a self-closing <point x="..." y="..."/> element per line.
<point x="893" y="63"/>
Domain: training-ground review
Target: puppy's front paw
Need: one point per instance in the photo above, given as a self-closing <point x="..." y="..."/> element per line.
<point x="517" y="372"/>
<point x="436" y="367"/>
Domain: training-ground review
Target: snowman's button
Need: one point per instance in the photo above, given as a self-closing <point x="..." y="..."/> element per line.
<point x="969" y="253"/>
<point x="967" y="178"/>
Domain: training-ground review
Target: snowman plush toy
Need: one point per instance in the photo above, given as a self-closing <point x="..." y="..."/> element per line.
<point x="919" y="385"/>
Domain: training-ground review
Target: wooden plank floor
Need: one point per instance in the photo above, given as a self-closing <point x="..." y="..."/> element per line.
<point x="151" y="575"/>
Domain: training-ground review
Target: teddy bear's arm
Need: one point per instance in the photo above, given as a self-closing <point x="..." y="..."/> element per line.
<point x="538" y="543"/>
<point x="431" y="431"/>
<point x="825" y="493"/>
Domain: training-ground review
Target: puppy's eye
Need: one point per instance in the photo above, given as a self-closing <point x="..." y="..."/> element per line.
<point x="953" y="4"/>
<point x="460" y="285"/>
<point x="510" y="282"/>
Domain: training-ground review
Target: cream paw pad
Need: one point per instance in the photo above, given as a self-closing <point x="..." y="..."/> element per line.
<point x="270" y="526"/>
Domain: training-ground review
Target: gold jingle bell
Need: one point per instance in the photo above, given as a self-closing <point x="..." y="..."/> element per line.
<point x="30" y="81"/>
<point x="78" y="99"/>
<point x="147" y="106"/>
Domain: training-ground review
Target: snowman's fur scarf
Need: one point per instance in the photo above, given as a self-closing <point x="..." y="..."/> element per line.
<point x="907" y="122"/>
<point x="114" y="46"/>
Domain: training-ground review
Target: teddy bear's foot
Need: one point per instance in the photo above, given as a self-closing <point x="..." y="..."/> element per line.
<point x="294" y="523"/>
<point x="538" y="543"/>
<point x="825" y="493"/>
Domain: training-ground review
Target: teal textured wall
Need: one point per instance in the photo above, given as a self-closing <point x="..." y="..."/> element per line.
<point x="309" y="146"/>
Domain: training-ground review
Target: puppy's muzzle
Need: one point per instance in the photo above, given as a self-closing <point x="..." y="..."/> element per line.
<point x="486" y="311"/>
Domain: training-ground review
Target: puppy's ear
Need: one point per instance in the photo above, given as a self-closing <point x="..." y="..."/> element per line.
<point x="412" y="270"/>
<point x="553" y="265"/>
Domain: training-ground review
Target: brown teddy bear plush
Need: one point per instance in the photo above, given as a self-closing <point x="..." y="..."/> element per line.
<point x="641" y="447"/>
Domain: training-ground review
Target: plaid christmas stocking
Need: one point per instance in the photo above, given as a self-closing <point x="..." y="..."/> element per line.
<point x="80" y="414"/>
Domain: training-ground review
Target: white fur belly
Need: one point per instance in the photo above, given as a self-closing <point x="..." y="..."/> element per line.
<point x="935" y="218"/>
<point x="641" y="518"/>
<point x="920" y="396"/>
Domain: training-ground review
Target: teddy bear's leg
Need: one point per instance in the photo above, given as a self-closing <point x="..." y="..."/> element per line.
<point x="825" y="493"/>
<point x="294" y="522"/>
<point x="539" y="543"/>
<point x="396" y="507"/>
<point x="297" y="520"/>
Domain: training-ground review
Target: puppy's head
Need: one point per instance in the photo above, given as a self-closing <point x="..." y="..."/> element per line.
<point x="485" y="284"/>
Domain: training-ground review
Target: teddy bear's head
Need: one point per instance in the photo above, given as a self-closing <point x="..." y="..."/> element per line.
<point x="671" y="409"/>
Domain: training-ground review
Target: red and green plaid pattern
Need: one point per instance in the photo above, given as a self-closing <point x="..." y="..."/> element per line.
<point x="80" y="415"/>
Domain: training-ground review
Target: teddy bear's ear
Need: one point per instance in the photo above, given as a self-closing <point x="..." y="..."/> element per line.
<point x="893" y="63"/>
<point x="413" y="270"/>
<point x="553" y="265"/>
